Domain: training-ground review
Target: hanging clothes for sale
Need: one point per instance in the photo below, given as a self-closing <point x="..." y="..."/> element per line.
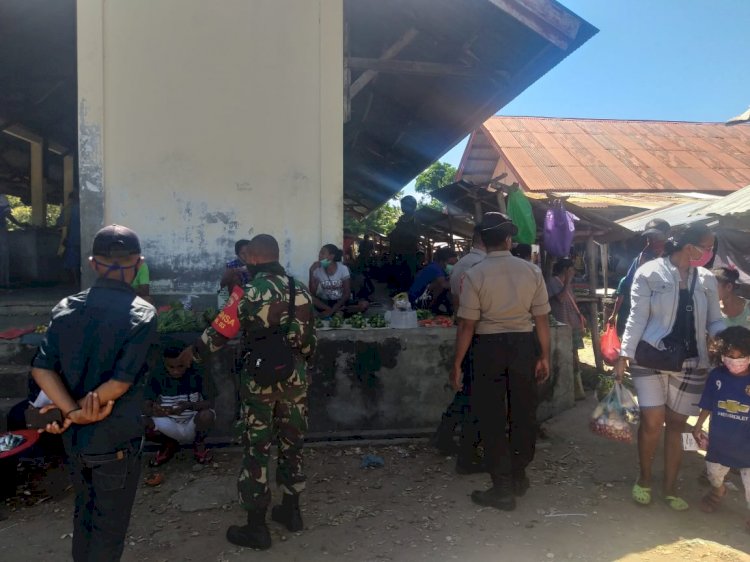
<point x="520" y="212"/>
<point x="559" y="228"/>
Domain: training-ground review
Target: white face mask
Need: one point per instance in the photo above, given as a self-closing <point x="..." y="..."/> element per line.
<point x="736" y="366"/>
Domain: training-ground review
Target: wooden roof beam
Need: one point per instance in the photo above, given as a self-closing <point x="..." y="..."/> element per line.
<point x="548" y="19"/>
<point x="423" y="68"/>
<point x="369" y="75"/>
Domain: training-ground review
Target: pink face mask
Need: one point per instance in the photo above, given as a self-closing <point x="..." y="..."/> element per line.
<point x="736" y="366"/>
<point x="703" y="259"/>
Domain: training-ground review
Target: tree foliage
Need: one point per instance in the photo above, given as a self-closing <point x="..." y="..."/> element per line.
<point x="22" y="212"/>
<point x="436" y="176"/>
<point x="381" y="220"/>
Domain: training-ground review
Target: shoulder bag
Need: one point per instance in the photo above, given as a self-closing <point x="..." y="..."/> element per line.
<point x="270" y="358"/>
<point x="674" y="353"/>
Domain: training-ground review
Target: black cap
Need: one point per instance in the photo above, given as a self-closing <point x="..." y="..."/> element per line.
<point x="657" y="227"/>
<point x="498" y="221"/>
<point x="115" y="241"/>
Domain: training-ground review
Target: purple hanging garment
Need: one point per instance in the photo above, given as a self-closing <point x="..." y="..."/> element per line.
<point x="559" y="228"/>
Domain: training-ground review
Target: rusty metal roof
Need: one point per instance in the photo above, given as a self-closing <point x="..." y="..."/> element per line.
<point x="562" y="155"/>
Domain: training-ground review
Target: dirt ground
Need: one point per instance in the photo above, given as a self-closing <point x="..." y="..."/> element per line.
<point x="413" y="508"/>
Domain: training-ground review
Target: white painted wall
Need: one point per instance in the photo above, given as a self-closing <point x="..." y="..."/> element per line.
<point x="218" y="121"/>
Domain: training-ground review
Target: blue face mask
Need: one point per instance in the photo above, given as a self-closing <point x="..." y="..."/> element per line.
<point x="325" y="263"/>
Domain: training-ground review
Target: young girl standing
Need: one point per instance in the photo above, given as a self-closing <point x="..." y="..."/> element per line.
<point x="726" y="400"/>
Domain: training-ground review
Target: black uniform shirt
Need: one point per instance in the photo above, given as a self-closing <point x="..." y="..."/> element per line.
<point x="106" y="332"/>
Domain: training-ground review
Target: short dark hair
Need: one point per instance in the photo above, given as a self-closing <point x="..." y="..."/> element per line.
<point x="265" y="246"/>
<point x="522" y="251"/>
<point x="408" y="203"/>
<point x="444" y="254"/>
<point x="734" y="337"/>
<point x="172" y="350"/>
<point x="561" y="265"/>
<point x="239" y="245"/>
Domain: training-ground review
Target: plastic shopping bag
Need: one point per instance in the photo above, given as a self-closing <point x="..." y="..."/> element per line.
<point x="612" y="417"/>
<point x="520" y="212"/>
<point x="609" y="345"/>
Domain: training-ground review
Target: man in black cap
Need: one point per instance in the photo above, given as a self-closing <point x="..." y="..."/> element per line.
<point x="655" y="233"/>
<point x="502" y="299"/>
<point x="91" y="365"/>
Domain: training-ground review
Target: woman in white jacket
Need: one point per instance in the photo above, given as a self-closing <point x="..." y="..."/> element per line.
<point x="675" y="303"/>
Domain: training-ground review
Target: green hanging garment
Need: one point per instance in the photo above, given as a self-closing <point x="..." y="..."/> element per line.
<point x="519" y="211"/>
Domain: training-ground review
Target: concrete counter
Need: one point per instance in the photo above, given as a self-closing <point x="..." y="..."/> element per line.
<point x="384" y="381"/>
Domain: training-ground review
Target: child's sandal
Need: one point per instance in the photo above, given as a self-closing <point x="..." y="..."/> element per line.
<point x="676" y="503"/>
<point x="641" y="494"/>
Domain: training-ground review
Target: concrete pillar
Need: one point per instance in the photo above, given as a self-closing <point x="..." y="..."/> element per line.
<point x="67" y="178"/>
<point x="38" y="199"/>
<point x="90" y="26"/>
<point x="591" y="252"/>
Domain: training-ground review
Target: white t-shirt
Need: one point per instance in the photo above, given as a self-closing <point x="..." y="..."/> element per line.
<point x="331" y="287"/>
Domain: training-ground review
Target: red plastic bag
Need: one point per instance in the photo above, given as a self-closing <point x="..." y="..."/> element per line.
<point x="609" y="345"/>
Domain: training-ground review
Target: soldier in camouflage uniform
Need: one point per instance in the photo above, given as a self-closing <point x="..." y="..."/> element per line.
<point x="278" y="411"/>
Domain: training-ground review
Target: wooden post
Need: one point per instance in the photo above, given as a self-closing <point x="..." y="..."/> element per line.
<point x="38" y="199"/>
<point x="501" y="201"/>
<point x="478" y="212"/>
<point x="594" y="308"/>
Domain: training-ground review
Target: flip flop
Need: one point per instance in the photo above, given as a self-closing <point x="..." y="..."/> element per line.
<point x="640" y="494"/>
<point x="676" y="503"/>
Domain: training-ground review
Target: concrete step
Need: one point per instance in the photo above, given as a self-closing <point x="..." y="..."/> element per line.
<point x="5" y="406"/>
<point x="14" y="380"/>
<point x="28" y="309"/>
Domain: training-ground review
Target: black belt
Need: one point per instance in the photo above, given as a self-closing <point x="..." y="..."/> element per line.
<point x="504" y="336"/>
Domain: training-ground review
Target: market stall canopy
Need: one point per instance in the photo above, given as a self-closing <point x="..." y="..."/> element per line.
<point x="420" y="75"/>
<point x="738" y="203"/>
<point x="547" y="154"/>
<point x="441" y="226"/>
<point x="466" y="196"/>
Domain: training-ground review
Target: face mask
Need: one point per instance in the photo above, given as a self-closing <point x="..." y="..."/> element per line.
<point x="448" y="268"/>
<point x="704" y="258"/>
<point x="325" y="263"/>
<point x="736" y="366"/>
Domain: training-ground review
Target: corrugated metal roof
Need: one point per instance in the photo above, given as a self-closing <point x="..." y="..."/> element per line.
<point x="675" y="215"/>
<point x="551" y="154"/>
<point x="735" y="204"/>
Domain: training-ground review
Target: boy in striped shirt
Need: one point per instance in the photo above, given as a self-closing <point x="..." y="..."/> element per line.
<point x="179" y="407"/>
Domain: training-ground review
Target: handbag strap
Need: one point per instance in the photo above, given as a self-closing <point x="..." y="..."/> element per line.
<point x="691" y="306"/>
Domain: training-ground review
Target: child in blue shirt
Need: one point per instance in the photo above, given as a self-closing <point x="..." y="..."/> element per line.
<point x="726" y="399"/>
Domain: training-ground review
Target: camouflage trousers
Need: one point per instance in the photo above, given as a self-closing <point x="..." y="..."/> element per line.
<point x="266" y="419"/>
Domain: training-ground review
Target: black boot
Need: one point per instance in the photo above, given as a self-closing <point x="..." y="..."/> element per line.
<point x="288" y="513"/>
<point x="470" y="463"/>
<point x="500" y="496"/>
<point x="253" y="535"/>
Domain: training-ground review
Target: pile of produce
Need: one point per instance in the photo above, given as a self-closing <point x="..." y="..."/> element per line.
<point x="177" y="319"/>
<point x="377" y="321"/>
<point x="41" y="329"/>
<point x="357" y="321"/>
<point x="424" y="315"/>
<point x="437" y="322"/>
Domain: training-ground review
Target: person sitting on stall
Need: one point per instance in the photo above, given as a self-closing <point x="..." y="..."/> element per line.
<point x="236" y="269"/>
<point x="142" y="283"/>
<point x="565" y="310"/>
<point x="331" y="285"/>
<point x="179" y="407"/>
<point x="431" y="289"/>
<point x="522" y="251"/>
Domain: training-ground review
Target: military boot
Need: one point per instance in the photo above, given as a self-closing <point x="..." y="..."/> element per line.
<point x="253" y="535"/>
<point x="288" y="513"/>
<point x="500" y="496"/>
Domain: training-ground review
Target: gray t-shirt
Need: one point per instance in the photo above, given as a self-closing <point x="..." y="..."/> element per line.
<point x="331" y="287"/>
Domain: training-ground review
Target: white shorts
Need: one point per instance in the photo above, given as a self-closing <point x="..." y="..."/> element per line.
<point x="717" y="472"/>
<point x="181" y="429"/>
<point x="679" y="391"/>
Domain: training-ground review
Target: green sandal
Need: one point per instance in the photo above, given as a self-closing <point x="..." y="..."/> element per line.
<point x="676" y="503"/>
<point x="641" y="495"/>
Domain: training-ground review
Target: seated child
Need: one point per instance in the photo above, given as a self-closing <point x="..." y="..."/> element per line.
<point x="178" y="407"/>
<point x="726" y="400"/>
